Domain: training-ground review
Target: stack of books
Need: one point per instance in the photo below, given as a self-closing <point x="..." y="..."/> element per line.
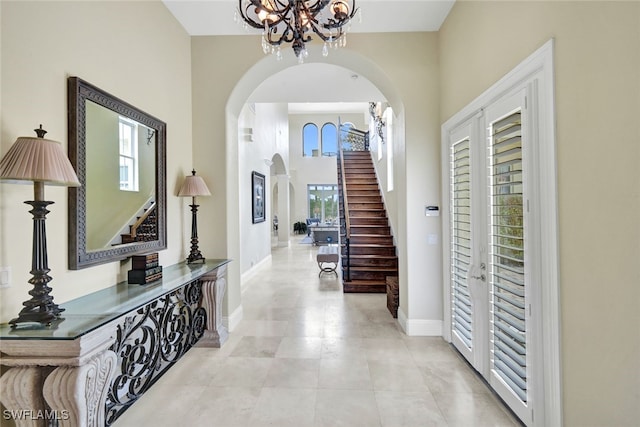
<point x="145" y="269"/>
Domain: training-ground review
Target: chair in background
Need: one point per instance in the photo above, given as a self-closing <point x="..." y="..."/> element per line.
<point x="311" y="222"/>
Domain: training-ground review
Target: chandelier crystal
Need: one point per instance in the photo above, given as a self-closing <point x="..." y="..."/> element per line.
<point x="293" y="21"/>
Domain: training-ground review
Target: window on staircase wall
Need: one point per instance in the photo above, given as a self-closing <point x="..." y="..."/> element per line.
<point x="323" y="202"/>
<point x="388" y="140"/>
<point x="374" y="136"/>
<point x="128" y="135"/>
<point x="310" y="140"/>
<point x="329" y="140"/>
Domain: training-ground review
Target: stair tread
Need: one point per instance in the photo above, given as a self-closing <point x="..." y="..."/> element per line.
<point x="366" y="282"/>
<point x="371" y="245"/>
<point x="368" y="256"/>
<point x="369" y="236"/>
<point x="371" y="268"/>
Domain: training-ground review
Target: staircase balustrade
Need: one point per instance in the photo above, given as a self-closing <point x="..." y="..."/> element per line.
<point x="345" y="209"/>
<point x="145" y="223"/>
<point x="353" y="139"/>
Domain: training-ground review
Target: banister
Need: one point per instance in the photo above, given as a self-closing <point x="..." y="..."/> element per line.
<point x="143" y="217"/>
<point x="345" y="209"/>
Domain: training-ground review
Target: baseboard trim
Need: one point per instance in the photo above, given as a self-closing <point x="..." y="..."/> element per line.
<point x="419" y="327"/>
<point x="232" y="321"/>
<point x="252" y="272"/>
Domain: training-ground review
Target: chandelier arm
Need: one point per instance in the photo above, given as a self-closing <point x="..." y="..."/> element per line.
<point x="317" y="7"/>
<point x="328" y="38"/>
<point x="245" y="13"/>
<point x="333" y="23"/>
<point x="275" y="39"/>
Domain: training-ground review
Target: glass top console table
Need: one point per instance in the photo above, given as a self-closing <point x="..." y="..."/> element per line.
<point x="110" y="346"/>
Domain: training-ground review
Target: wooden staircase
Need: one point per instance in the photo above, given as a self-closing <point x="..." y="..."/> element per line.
<point x="370" y="255"/>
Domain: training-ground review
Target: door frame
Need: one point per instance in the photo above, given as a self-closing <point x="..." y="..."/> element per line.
<point x="535" y="73"/>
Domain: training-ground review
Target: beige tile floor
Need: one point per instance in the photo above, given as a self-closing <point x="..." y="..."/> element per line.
<point x="305" y="354"/>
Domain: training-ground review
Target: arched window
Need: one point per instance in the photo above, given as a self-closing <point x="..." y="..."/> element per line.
<point x="329" y="140"/>
<point x="309" y="140"/>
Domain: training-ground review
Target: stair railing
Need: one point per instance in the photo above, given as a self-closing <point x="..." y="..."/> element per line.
<point x="357" y="140"/>
<point x="345" y="210"/>
<point x="141" y="220"/>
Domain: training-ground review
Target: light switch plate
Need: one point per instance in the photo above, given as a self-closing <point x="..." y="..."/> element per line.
<point x="5" y="277"/>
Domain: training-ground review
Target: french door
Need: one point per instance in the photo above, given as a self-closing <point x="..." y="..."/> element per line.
<point x="491" y="284"/>
<point x="500" y="239"/>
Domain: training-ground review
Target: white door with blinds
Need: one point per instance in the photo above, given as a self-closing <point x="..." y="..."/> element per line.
<point x="488" y="259"/>
<point x="509" y="279"/>
<point x="467" y="268"/>
<point x="500" y="239"/>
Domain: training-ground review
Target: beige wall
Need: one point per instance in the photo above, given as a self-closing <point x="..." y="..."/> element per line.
<point x="134" y="50"/>
<point x="597" y="65"/>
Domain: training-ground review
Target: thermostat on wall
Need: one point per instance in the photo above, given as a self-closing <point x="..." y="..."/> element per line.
<point x="432" y="211"/>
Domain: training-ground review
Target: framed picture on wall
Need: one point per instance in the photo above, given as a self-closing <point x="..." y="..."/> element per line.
<point x="257" y="197"/>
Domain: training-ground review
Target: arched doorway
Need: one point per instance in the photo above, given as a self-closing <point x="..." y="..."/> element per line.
<point x="360" y="66"/>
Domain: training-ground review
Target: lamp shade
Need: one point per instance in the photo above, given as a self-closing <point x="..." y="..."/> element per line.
<point x="38" y="160"/>
<point x="193" y="186"/>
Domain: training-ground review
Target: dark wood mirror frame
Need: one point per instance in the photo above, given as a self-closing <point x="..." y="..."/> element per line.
<point x="80" y="91"/>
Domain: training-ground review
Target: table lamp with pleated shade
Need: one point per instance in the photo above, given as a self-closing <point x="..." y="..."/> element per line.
<point x="41" y="161"/>
<point x="194" y="186"/>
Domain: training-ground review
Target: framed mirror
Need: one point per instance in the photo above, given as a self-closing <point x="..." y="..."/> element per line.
<point x="118" y="152"/>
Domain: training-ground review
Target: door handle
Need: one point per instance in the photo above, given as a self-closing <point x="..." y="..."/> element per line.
<point x="483" y="267"/>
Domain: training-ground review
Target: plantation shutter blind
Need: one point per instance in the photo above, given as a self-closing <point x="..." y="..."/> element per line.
<point x="507" y="250"/>
<point x="461" y="240"/>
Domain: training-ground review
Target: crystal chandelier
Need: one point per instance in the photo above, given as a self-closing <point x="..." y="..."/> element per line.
<point x="292" y="21"/>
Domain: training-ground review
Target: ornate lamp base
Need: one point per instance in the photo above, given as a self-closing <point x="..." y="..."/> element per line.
<point x="194" y="255"/>
<point x="40" y="308"/>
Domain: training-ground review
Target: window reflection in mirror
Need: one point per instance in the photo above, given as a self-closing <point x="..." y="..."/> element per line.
<point x="120" y="178"/>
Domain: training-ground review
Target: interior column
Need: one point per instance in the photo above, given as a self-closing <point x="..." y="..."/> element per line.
<point x="285" y="225"/>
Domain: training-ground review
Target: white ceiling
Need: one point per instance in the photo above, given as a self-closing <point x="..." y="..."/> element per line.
<point x="335" y="89"/>
<point x="215" y="17"/>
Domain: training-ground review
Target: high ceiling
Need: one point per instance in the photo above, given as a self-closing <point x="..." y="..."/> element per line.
<point x="337" y="89"/>
<point x="215" y="17"/>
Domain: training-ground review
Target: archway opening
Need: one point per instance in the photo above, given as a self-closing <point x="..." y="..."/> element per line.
<point x="348" y="74"/>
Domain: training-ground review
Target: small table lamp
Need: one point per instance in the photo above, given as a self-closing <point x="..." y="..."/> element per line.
<point x="41" y="161"/>
<point x="191" y="187"/>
